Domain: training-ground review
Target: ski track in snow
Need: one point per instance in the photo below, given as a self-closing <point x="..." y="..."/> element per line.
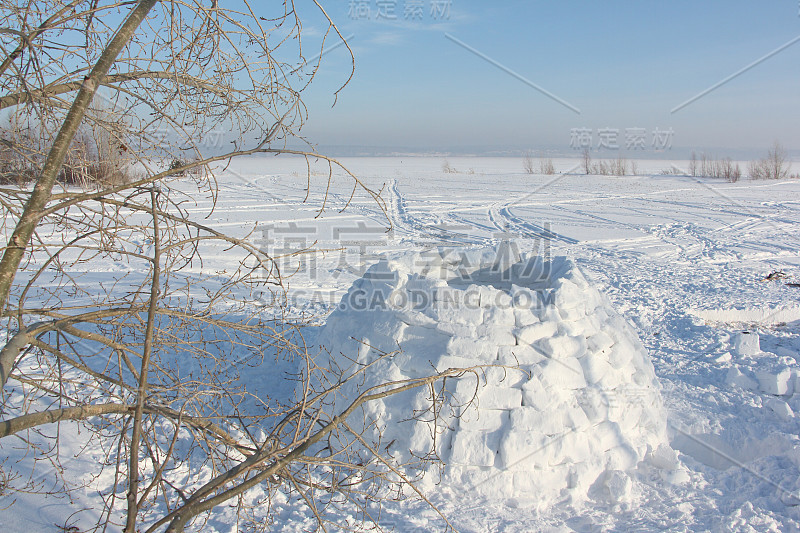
<point x="504" y="220"/>
<point x="663" y="249"/>
<point x="433" y="227"/>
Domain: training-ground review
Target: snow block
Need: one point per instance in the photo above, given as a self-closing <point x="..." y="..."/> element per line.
<point x="572" y="314"/>
<point x="621" y="353"/>
<point x="777" y="382"/>
<point x="488" y="482"/>
<point x="780" y="408"/>
<point x="499" y="317"/>
<point x="663" y="457"/>
<point x="568" y="295"/>
<point x="550" y="314"/>
<point x="584" y="327"/>
<point x="506" y="377"/>
<point x="456" y="330"/>
<point x="445" y="362"/>
<point x="595" y="404"/>
<point x="492" y="397"/>
<point x="465" y="314"/>
<point x="519" y="355"/>
<point x="600" y="342"/>
<point x="415" y="318"/>
<point x="531" y="334"/>
<point x="595" y="367"/>
<point x="480" y="350"/>
<point x="387" y="325"/>
<point x="474" y="448"/>
<point x="480" y="420"/>
<point x="524" y="317"/>
<point x="560" y="374"/>
<point x="737" y="378"/>
<point x="746" y="343"/>
<point x="531" y="419"/>
<point x="613" y="487"/>
<point x="499" y="335"/>
<point x="536" y="394"/>
<point x="562" y="346"/>
<point x="525" y="450"/>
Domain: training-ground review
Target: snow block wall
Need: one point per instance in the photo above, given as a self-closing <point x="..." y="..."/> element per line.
<point x="568" y="407"/>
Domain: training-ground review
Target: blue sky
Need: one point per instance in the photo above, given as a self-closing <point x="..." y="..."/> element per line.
<point x="622" y="64"/>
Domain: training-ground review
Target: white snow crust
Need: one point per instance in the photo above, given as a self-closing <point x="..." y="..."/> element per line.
<point x="682" y="259"/>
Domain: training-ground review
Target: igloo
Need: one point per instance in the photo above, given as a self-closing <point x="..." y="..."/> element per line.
<point x="562" y="403"/>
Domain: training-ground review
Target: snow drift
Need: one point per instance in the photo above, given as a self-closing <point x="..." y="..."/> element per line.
<point x="562" y="403"/>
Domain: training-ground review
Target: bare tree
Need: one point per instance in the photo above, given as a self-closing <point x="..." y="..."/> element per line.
<point x="757" y="170"/>
<point x="619" y="167"/>
<point x="729" y="170"/>
<point x="546" y="166"/>
<point x="527" y="163"/>
<point x="776" y="162"/>
<point x="772" y="167"/>
<point x="602" y="168"/>
<point x="587" y="161"/>
<point x="711" y="167"/>
<point x="693" y="165"/>
<point x="150" y="368"/>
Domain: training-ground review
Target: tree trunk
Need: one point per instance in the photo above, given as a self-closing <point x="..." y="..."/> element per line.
<point x="20" y="239"/>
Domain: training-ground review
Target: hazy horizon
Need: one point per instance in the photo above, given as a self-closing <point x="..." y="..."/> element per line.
<point x="675" y="153"/>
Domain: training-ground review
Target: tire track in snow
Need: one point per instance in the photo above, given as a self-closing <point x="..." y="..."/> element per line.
<point x="461" y="220"/>
<point x="504" y="220"/>
<point x="413" y="227"/>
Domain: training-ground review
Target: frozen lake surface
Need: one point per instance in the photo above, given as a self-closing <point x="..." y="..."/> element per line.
<point x="682" y="259"/>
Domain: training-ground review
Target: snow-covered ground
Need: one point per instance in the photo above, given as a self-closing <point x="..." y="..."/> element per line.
<point x="682" y="259"/>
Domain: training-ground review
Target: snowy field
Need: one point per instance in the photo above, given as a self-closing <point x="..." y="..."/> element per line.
<point x="683" y="260"/>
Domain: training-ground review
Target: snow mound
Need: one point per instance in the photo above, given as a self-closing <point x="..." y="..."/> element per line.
<point x="764" y="316"/>
<point x="563" y="403"/>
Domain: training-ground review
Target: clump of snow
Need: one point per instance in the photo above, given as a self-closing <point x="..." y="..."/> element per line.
<point x="739" y="379"/>
<point x="777" y="381"/>
<point x="746" y="343"/>
<point x="769" y="373"/>
<point x="780" y="408"/>
<point x="563" y="403"/>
